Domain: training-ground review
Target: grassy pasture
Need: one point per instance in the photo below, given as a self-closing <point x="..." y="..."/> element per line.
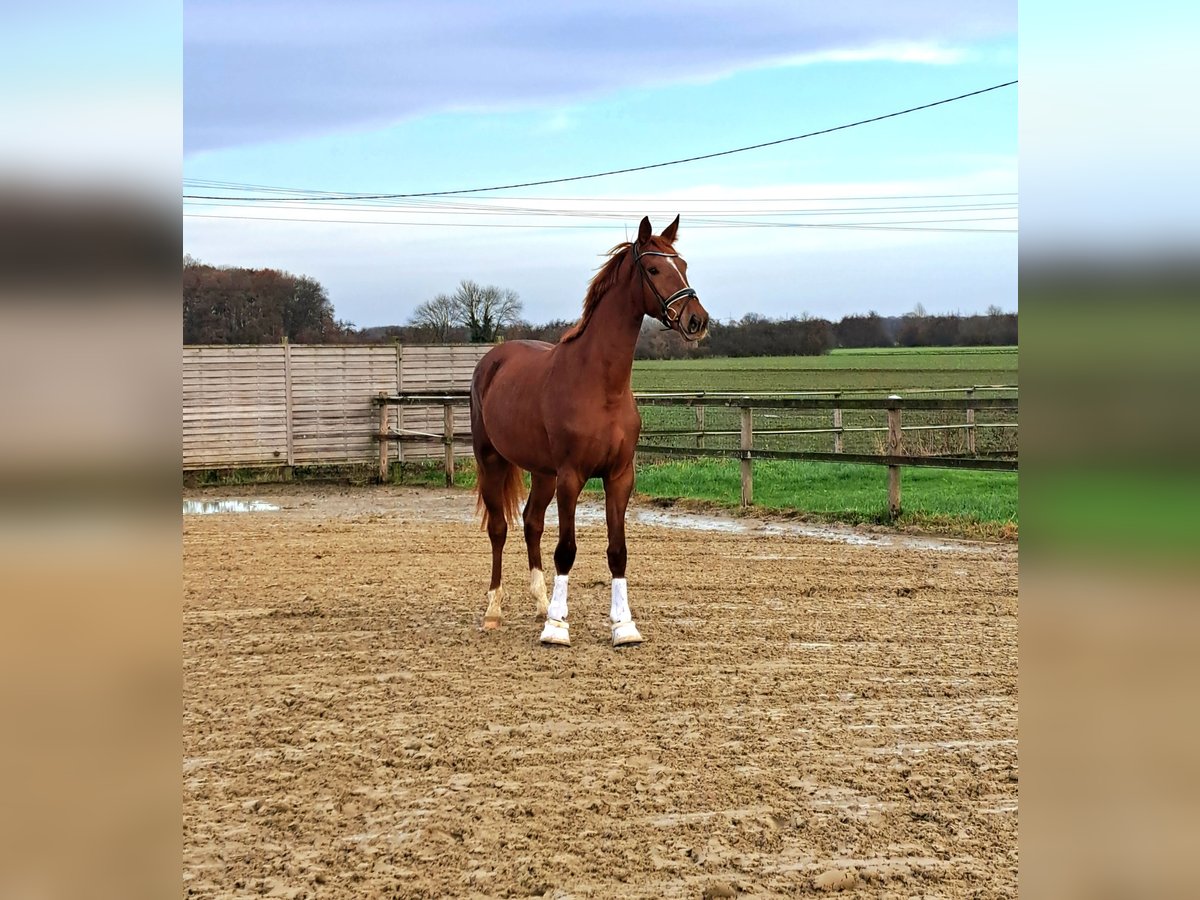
<point x="981" y="503"/>
<point x="885" y="370"/>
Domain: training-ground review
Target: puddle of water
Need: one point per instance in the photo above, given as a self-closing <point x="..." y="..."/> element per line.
<point x="838" y="534"/>
<point x="208" y="507"/>
<point x="690" y="521"/>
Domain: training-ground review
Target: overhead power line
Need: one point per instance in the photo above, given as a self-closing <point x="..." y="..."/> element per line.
<point x="625" y="171"/>
<point x="856" y="226"/>
<point x="623" y="214"/>
<point x="331" y="195"/>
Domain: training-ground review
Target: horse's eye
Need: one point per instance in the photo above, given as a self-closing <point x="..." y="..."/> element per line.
<point x="653" y="271"/>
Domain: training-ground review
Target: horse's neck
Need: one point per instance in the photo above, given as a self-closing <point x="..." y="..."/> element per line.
<point x="609" y="341"/>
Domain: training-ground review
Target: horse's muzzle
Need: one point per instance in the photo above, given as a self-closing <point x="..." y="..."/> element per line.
<point x="695" y="326"/>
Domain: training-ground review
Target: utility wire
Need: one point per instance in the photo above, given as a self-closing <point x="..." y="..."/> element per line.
<point x="846" y="226"/>
<point x="606" y="213"/>
<point x="331" y="195"/>
<point x="673" y="162"/>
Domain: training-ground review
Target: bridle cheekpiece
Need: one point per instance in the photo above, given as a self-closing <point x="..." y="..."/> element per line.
<point x="670" y="315"/>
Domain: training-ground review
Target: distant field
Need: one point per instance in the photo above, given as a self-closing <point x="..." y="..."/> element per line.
<point x="891" y="369"/>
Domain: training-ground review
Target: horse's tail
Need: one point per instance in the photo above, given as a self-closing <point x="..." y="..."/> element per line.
<point x="501" y="482"/>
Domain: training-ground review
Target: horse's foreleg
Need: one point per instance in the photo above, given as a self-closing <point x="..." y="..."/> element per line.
<point x="617" y="489"/>
<point x="569" y="484"/>
<point x="541" y="492"/>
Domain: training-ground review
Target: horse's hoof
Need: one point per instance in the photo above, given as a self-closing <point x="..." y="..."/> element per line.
<point x="491" y="623"/>
<point x="556" y="632"/>
<point x="626" y="633"/>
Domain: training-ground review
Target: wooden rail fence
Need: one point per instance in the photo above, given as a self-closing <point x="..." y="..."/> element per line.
<point x="894" y="405"/>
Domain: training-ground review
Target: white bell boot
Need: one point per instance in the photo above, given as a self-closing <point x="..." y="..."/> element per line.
<point x="624" y="631"/>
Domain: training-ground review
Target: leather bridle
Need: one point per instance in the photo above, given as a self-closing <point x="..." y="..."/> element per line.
<point x="670" y="315"/>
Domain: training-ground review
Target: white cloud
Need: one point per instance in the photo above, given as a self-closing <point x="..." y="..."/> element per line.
<point x="925" y="54"/>
<point x="303" y="68"/>
<point x="558" y="122"/>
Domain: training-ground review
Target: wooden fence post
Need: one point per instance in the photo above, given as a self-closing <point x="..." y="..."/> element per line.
<point x="287" y="401"/>
<point x="747" y="443"/>
<point x="894" y="447"/>
<point x="400" y="390"/>
<point x="448" y="440"/>
<point x="837" y="423"/>
<point x="970" y="423"/>
<point x="383" y="439"/>
<point x="700" y="427"/>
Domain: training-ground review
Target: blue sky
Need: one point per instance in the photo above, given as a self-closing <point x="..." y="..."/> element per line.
<point x="396" y="98"/>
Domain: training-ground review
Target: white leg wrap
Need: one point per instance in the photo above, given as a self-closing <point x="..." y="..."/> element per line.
<point x="537" y="589"/>
<point x="623" y="630"/>
<point x="555" y="630"/>
<point x="620" y="601"/>
<point x="558" y="602"/>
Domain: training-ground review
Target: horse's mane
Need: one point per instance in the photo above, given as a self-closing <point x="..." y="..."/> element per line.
<point x="601" y="282"/>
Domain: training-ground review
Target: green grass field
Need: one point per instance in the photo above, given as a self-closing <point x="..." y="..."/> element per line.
<point x="887" y="370"/>
<point x="979" y="504"/>
<point x="949" y="500"/>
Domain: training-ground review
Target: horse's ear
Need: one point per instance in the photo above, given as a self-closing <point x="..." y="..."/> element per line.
<point x="670" y="231"/>
<point x="644" y="230"/>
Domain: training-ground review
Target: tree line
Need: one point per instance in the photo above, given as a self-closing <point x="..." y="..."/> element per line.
<point x="225" y="305"/>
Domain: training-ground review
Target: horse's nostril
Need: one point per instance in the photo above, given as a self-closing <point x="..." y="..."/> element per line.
<point x="694" y="324"/>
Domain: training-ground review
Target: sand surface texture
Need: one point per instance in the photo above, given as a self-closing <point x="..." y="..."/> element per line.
<point x="808" y="715"/>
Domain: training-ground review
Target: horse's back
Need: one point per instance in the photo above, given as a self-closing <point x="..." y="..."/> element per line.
<point x="509" y="355"/>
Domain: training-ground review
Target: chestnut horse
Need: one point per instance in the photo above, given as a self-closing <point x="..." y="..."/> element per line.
<point x="565" y="413"/>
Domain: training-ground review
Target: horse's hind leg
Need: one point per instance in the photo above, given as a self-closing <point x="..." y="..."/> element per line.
<point x="541" y="492"/>
<point x="494" y="474"/>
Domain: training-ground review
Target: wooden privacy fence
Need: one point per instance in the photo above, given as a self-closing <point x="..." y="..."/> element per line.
<point x="894" y="457"/>
<point x="284" y="405"/>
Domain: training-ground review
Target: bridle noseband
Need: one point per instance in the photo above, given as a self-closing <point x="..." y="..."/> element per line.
<point x="667" y="303"/>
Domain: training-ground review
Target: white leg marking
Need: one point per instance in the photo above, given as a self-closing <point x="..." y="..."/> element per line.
<point x="493" y="617"/>
<point x="555" y="630"/>
<point x="624" y="631"/>
<point x="537" y="589"/>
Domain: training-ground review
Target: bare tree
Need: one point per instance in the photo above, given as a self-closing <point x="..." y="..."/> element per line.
<point x="436" y="316"/>
<point x="485" y="310"/>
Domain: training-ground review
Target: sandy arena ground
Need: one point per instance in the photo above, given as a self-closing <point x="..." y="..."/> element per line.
<point x="809" y="713"/>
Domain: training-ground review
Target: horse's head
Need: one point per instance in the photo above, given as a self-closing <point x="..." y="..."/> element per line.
<point x="663" y="274"/>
